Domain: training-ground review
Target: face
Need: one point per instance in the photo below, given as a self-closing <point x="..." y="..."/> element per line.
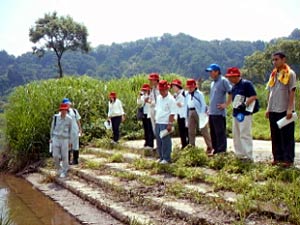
<point x="234" y="79"/>
<point x="277" y="61"/>
<point x="214" y="74"/>
<point x="63" y="112"/>
<point x="191" y="89"/>
<point x="163" y="93"/>
<point x="175" y="88"/>
<point x="153" y="83"/>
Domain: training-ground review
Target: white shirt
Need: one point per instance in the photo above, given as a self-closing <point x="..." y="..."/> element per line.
<point x="115" y="108"/>
<point x="165" y="106"/>
<point x="146" y="106"/>
<point x="180" y="99"/>
<point x="75" y="117"/>
<point x="190" y="102"/>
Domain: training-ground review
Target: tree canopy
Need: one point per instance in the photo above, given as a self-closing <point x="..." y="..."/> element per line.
<point x="58" y="34"/>
<point x="180" y="54"/>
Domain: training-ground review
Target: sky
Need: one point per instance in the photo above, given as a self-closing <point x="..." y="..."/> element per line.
<point x="119" y="21"/>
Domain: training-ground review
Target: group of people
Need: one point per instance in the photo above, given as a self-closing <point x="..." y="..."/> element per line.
<point x="188" y="107"/>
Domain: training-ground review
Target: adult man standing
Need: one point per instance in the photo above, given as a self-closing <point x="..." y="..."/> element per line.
<point x="60" y="135"/>
<point x="243" y="97"/>
<point x="76" y="132"/>
<point x="219" y="87"/>
<point x="165" y="111"/>
<point x="281" y="103"/>
<point x="196" y="107"/>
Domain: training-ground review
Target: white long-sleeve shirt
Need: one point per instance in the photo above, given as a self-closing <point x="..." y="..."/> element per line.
<point x="115" y="108"/>
<point x="146" y="105"/>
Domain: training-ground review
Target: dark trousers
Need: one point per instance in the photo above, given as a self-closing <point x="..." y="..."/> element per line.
<point x="183" y="131"/>
<point x="115" y="123"/>
<point x="283" y="140"/>
<point x="148" y="131"/>
<point x="217" y="125"/>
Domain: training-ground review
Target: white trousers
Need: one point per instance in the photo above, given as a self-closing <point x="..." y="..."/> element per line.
<point x="75" y="140"/>
<point x="60" y="148"/>
<point x="242" y="137"/>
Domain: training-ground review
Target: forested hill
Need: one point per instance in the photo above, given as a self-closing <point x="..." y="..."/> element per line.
<point x="181" y="54"/>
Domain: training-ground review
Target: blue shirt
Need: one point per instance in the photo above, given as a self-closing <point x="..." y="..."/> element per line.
<point x="218" y="90"/>
<point x="240" y="91"/>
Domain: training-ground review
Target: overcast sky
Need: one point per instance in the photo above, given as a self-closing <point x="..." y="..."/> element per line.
<point x="121" y="21"/>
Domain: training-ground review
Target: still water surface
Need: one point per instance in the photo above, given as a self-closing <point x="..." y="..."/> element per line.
<point x="27" y="206"/>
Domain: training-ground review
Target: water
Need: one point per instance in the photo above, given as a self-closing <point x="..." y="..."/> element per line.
<point x="24" y="205"/>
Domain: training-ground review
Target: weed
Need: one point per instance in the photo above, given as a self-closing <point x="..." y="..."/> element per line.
<point x="243" y="206"/>
<point x="92" y="164"/>
<point x="192" y="156"/>
<point x="176" y="189"/>
<point x="148" y="181"/>
<point x="116" y="158"/>
<point x="143" y="164"/>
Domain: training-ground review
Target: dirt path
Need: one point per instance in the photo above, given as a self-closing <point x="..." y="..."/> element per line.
<point x="262" y="150"/>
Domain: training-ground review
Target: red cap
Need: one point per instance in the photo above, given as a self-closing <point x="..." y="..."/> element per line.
<point x="146" y="87"/>
<point x="233" y="72"/>
<point x="177" y="82"/>
<point x="163" y="85"/>
<point x="190" y="83"/>
<point x="64" y="106"/>
<point x="153" y="76"/>
<point x="113" y="95"/>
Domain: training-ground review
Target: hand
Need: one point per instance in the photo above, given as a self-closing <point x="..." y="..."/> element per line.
<point x="221" y="106"/>
<point x="169" y="127"/>
<point x="123" y="118"/>
<point x="289" y="114"/>
<point x="267" y="114"/>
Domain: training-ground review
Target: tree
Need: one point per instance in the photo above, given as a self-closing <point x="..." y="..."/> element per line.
<point x="58" y="34"/>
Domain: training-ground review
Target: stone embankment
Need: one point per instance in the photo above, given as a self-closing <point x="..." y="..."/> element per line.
<point x="115" y="187"/>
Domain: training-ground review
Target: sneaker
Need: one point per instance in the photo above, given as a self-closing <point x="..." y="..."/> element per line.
<point x="148" y="148"/>
<point x="164" y="162"/>
<point x="62" y="175"/>
<point x="158" y="161"/>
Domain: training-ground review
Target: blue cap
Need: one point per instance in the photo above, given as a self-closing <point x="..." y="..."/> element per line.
<point x="240" y="117"/>
<point x="214" y="67"/>
<point x="66" y="100"/>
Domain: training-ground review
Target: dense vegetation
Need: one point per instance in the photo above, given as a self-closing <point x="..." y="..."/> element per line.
<point x="31" y="107"/>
